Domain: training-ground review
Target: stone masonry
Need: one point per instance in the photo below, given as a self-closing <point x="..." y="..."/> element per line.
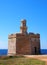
<point x="24" y="43"/>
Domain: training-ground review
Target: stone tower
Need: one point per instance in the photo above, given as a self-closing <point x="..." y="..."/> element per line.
<point x="23" y="27"/>
<point x="23" y="43"/>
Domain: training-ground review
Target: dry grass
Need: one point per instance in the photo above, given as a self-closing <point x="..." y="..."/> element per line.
<point x="19" y="60"/>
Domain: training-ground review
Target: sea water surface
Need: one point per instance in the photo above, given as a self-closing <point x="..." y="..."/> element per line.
<point x="5" y="51"/>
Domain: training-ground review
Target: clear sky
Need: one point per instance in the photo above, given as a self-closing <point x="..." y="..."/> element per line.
<point x="12" y="11"/>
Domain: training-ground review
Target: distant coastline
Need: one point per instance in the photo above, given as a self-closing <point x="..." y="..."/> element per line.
<point x="5" y="51"/>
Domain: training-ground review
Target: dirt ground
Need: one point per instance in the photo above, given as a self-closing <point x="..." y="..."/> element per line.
<point x="40" y="57"/>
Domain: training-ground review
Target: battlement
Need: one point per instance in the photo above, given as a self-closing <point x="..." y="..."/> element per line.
<point x="12" y="36"/>
<point x="34" y="35"/>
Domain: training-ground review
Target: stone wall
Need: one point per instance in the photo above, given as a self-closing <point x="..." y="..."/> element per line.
<point x="12" y="46"/>
<point x="23" y="45"/>
<point x="26" y="44"/>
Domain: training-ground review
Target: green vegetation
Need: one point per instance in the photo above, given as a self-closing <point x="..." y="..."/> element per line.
<point x="19" y="60"/>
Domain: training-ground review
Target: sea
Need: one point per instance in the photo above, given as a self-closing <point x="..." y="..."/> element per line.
<point x="5" y="52"/>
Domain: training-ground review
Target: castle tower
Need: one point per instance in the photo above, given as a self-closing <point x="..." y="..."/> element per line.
<point x="23" y="43"/>
<point x="23" y="27"/>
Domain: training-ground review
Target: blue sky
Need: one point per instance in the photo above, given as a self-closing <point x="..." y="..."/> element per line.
<point x="12" y="11"/>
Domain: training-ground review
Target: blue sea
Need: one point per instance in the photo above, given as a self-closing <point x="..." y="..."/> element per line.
<point x="5" y="51"/>
<point x="44" y="51"/>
